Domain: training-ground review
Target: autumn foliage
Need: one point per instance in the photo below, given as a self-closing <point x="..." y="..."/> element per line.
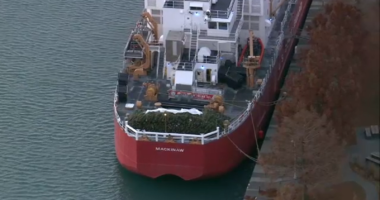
<point x="329" y="81"/>
<point x="305" y="150"/>
<point x="339" y="69"/>
<point x="290" y="191"/>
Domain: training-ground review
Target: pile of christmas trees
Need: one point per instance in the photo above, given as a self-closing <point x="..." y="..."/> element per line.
<point x="177" y="123"/>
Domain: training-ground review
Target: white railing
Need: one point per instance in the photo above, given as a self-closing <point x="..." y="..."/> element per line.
<point x="155" y="47"/>
<point x="174" y="4"/>
<point x="223" y="14"/>
<point x="208" y="59"/>
<point x="177" y="137"/>
<point x="214" y="135"/>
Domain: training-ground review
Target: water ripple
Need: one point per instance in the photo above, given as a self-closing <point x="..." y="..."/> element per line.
<point x="58" y="64"/>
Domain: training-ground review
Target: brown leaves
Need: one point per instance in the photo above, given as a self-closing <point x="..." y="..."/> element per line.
<point x="290" y="192"/>
<point x="329" y="81"/>
<point x="317" y="117"/>
<point x="307" y="148"/>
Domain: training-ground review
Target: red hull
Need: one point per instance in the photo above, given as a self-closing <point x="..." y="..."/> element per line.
<point x="214" y="158"/>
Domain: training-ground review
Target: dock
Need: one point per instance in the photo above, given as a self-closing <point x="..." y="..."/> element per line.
<point x="258" y="178"/>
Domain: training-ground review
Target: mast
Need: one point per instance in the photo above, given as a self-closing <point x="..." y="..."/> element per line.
<point x="252" y="63"/>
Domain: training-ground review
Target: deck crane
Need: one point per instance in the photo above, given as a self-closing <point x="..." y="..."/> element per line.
<point x="152" y="23"/>
<point x="252" y="63"/>
<point x="272" y="12"/>
<point x="141" y="66"/>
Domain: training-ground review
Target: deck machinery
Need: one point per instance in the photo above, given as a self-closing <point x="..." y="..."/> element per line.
<point x="138" y="50"/>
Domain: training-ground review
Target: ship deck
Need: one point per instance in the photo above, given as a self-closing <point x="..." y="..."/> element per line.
<point x="235" y="100"/>
<point x="221" y="5"/>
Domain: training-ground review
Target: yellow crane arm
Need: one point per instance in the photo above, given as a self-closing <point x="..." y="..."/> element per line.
<point x="138" y="38"/>
<point x="152" y="24"/>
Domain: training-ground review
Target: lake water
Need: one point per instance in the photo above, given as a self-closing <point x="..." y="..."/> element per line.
<point x="58" y="68"/>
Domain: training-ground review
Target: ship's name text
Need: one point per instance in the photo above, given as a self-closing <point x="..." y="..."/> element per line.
<point x="170" y="149"/>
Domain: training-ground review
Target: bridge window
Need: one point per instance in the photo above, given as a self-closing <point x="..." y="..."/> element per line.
<point x="245" y="26"/>
<point x="251" y="18"/>
<point x="157" y="19"/>
<point x="212" y="25"/>
<point x="152" y="3"/>
<point x="156" y="12"/>
<point x="255" y="26"/>
<point x="223" y="26"/>
<point x="196" y="8"/>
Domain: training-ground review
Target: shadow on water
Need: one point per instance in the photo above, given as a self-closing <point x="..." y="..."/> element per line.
<point x="230" y="186"/>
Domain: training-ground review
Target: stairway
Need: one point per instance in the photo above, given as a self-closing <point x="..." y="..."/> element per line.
<point x="239" y="9"/>
<point x="160" y="63"/>
<point x="193" y="44"/>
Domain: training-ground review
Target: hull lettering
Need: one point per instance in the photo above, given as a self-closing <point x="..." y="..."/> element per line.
<point x="170" y="149"/>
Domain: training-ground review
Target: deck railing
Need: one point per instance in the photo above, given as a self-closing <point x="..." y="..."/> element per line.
<point x="177" y="137"/>
<point x="214" y="135"/>
<point x="174" y="4"/>
<point x="223" y="14"/>
<point x="208" y="59"/>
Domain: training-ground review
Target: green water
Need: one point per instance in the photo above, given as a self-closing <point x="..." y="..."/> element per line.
<point x="58" y="68"/>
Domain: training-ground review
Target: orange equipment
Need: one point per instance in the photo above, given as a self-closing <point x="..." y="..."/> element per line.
<point x="151" y="91"/>
<point x="252" y="63"/>
<point x="152" y="23"/>
<point x="140" y="67"/>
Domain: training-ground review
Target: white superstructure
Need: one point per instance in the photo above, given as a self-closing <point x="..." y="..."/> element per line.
<point x="181" y="15"/>
<point x="199" y="35"/>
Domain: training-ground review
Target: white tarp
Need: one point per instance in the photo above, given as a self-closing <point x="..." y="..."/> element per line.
<point x="192" y="111"/>
<point x="184" y="77"/>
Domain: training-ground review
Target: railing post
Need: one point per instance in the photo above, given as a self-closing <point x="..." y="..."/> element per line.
<point x="137" y="135"/>
<point x="202" y="138"/>
<point x="182" y="139"/>
<point x="156" y="136"/>
<point x="217" y="134"/>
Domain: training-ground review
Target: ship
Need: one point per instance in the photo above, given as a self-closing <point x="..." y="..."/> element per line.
<point x="198" y="82"/>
